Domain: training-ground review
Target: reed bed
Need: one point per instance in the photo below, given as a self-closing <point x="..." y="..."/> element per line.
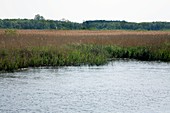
<point x="32" y="48"/>
<point x="55" y="38"/>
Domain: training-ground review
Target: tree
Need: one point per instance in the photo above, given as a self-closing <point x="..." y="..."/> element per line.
<point x="38" y="17"/>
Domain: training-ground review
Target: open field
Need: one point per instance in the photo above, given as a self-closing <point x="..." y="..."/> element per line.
<point x="30" y="48"/>
<point x="30" y="38"/>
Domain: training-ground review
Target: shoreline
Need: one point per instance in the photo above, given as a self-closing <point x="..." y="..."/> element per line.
<point x="34" y="48"/>
<point x="76" y="55"/>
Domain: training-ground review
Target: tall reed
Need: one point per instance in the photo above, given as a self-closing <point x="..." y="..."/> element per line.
<point x="14" y="59"/>
<point x="33" y="48"/>
<point x="76" y="55"/>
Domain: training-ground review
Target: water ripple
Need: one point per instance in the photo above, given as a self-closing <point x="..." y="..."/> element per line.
<point x="118" y="87"/>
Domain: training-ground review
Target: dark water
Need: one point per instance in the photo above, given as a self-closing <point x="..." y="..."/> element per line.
<point x="119" y="87"/>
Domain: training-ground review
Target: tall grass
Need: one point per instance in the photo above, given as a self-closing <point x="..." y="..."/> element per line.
<point x="22" y="49"/>
<point x="13" y="59"/>
<point x="76" y="55"/>
<point x="140" y="53"/>
<point x="54" y="38"/>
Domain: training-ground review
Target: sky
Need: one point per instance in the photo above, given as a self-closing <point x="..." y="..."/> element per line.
<point x="82" y="10"/>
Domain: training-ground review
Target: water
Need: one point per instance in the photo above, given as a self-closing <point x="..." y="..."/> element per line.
<point x="118" y="87"/>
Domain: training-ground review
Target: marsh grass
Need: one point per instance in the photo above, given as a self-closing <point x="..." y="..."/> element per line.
<point x="14" y="59"/>
<point x="33" y="48"/>
<point x="75" y="55"/>
<point x="57" y="38"/>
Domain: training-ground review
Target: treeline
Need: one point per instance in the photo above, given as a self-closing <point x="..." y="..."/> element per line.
<point x="37" y="24"/>
<point x="111" y="25"/>
<point x="87" y="25"/>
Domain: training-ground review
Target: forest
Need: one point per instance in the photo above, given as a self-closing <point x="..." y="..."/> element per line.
<point x="39" y="22"/>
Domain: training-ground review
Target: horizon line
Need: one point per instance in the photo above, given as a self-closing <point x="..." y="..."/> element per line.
<point x="67" y="20"/>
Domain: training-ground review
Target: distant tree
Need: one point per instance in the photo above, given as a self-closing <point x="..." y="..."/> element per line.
<point x="52" y="25"/>
<point x="1" y="23"/>
<point x="40" y="23"/>
<point x="39" y="17"/>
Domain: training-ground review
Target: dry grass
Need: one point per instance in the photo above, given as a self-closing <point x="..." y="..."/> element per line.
<point x="34" y="38"/>
<point x="30" y="48"/>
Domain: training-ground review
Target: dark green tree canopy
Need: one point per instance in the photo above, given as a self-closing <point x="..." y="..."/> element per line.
<point x="39" y="22"/>
<point x="38" y="17"/>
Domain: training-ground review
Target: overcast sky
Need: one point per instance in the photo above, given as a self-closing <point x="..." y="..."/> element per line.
<point x="81" y="10"/>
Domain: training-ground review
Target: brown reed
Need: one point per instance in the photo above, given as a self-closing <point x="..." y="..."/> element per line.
<point x="56" y="38"/>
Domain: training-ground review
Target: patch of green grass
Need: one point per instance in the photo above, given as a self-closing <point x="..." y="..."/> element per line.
<point x="75" y="55"/>
<point x="161" y="53"/>
<point x="10" y="32"/>
<point x="11" y="60"/>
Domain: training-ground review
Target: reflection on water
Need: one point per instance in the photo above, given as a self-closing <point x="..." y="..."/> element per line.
<point x="118" y="87"/>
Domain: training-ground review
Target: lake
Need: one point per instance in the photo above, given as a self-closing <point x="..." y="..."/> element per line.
<point x="121" y="86"/>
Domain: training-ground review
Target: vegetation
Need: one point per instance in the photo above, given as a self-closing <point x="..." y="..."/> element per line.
<point x="32" y="48"/>
<point x="45" y="56"/>
<point x="123" y="25"/>
<point x="39" y="22"/>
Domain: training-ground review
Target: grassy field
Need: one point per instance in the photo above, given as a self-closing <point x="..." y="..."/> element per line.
<point x="30" y="48"/>
<point x="30" y="38"/>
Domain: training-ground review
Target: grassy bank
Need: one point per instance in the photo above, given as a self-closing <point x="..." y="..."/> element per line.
<point x="75" y="55"/>
<point x="14" y="59"/>
<point x="33" y="48"/>
<point x="158" y="53"/>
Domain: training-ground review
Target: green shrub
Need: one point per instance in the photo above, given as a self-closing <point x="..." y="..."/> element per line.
<point x="10" y="32"/>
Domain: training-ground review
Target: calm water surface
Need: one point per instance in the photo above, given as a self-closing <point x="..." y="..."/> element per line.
<point x="118" y="87"/>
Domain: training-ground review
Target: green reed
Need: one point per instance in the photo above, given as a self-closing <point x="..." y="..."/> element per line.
<point x="75" y="55"/>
